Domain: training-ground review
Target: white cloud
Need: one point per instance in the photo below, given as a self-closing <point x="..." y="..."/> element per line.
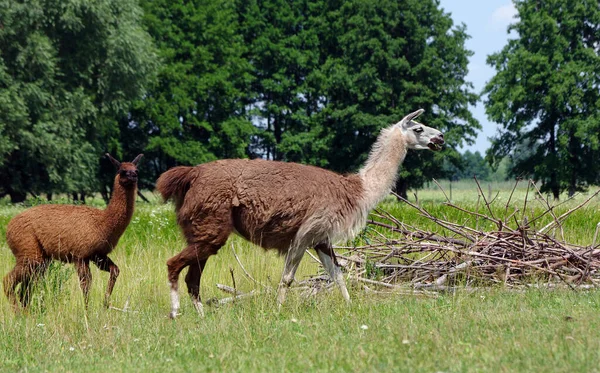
<point x="503" y="16"/>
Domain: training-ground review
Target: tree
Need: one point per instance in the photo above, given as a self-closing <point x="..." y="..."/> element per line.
<point x="471" y="165"/>
<point x="197" y="111"/>
<point x="283" y="50"/>
<point x="69" y="70"/>
<point x="546" y="94"/>
<point x="382" y="60"/>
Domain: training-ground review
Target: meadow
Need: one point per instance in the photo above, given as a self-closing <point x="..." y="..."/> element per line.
<point x="492" y="329"/>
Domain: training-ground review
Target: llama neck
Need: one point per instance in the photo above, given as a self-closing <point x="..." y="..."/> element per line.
<point x="119" y="211"/>
<point x="379" y="173"/>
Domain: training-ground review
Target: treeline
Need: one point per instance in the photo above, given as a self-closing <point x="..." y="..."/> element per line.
<point x="309" y="81"/>
<point x="187" y="82"/>
<point x="473" y="164"/>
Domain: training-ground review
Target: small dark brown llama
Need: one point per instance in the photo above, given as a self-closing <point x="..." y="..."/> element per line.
<point x="73" y="234"/>
<point x="288" y="207"/>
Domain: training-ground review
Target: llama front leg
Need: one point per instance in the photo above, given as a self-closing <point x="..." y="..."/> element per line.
<point x="85" y="278"/>
<point x="292" y="260"/>
<point x="104" y="263"/>
<point x="192" y="279"/>
<point x="327" y="256"/>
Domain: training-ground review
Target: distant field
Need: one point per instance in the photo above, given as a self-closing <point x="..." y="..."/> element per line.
<point x="489" y="330"/>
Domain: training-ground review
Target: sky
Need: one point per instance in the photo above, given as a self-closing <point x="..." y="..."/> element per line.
<point x="487" y="22"/>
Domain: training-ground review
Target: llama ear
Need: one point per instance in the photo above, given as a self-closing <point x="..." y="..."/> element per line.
<point x="114" y="161"/>
<point x="411" y="116"/>
<point x="137" y="159"/>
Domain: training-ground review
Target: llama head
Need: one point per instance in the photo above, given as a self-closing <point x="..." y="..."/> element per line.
<point x="419" y="136"/>
<point x="126" y="171"/>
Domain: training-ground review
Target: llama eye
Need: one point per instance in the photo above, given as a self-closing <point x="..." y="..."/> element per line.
<point x="418" y="130"/>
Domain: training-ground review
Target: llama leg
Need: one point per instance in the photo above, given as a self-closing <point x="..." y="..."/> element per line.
<point x="190" y="255"/>
<point x="104" y="263"/>
<point x="37" y="272"/>
<point x="192" y="279"/>
<point x="292" y="260"/>
<point x="25" y="274"/>
<point x="85" y="278"/>
<point x="205" y="237"/>
<point x="11" y="281"/>
<point x="29" y="258"/>
<point x="327" y="256"/>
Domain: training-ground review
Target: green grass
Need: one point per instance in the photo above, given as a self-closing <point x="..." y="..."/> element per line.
<point x="490" y="330"/>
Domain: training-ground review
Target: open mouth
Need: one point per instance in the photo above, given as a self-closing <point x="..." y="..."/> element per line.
<point x="435" y="147"/>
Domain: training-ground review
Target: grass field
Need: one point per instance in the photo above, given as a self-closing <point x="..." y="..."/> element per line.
<point x="488" y="330"/>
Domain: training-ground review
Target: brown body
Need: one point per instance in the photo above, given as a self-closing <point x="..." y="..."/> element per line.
<point x="284" y="206"/>
<point x="248" y="198"/>
<point x="68" y="233"/>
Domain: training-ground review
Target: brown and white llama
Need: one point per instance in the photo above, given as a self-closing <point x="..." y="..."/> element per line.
<point x="288" y="207"/>
<point x="77" y="234"/>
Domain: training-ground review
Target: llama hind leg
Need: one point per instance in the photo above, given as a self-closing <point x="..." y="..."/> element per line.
<point x="104" y="263"/>
<point x="36" y="272"/>
<point x="11" y="281"/>
<point x="192" y="279"/>
<point x="24" y="274"/>
<point x="205" y="237"/>
<point x="292" y="260"/>
<point x="85" y="279"/>
<point x="192" y="255"/>
<point x="327" y="256"/>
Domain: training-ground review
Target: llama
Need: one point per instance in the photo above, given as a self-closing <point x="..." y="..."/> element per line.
<point x="288" y="207"/>
<point x="68" y="233"/>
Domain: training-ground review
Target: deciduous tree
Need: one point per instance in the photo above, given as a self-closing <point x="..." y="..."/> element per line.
<point x="546" y="94"/>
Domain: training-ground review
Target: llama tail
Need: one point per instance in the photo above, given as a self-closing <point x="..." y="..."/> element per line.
<point x="174" y="184"/>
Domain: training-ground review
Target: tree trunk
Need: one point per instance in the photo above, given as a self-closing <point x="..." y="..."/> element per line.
<point x="401" y="188"/>
<point x="105" y="195"/>
<point x="17" y="197"/>
<point x="554" y="187"/>
<point x="573" y="147"/>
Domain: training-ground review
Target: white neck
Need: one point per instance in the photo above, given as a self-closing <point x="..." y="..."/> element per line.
<point x="379" y="173"/>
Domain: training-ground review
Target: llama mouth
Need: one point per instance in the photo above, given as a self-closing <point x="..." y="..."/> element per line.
<point x="435" y="147"/>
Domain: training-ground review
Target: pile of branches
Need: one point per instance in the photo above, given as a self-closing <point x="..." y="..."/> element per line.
<point x="512" y="253"/>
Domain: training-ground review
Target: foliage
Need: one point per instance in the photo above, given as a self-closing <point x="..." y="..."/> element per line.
<point x="471" y="164"/>
<point x="545" y="94"/>
<point x="196" y="112"/>
<point x="283" y="48"/>
<point x="308" y="81"/>
<point x="68" y="71"/>
<point x="383" y="60"/>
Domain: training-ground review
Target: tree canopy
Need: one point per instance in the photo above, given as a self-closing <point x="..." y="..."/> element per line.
<point x="546" y="94"/>
<point x="68" y="71"/>
<point x="187" y="82"/>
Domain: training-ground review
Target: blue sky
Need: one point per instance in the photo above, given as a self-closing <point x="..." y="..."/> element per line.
<point x="486" y="21"/>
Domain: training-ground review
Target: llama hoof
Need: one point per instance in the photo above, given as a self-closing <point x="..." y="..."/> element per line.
<point x="173" y="315"/>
